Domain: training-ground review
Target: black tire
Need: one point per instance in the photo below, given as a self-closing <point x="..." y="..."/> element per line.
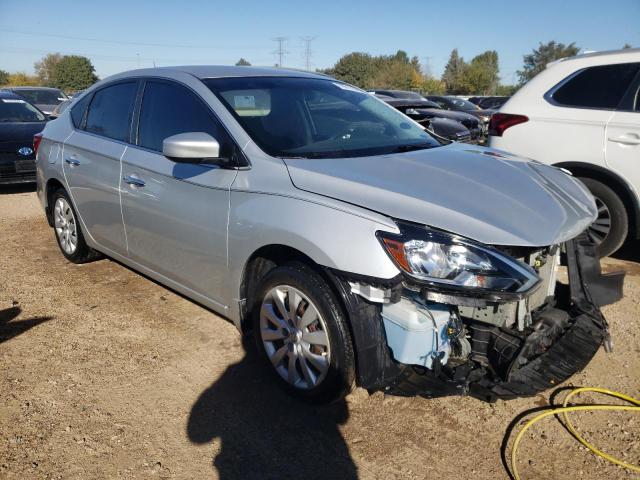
<point x="619" y="218"/>
<point x="340" y="376"/>
<point x="82" y="253"/>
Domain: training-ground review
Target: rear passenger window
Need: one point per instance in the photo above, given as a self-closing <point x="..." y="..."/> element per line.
<point x="110" y="111"/>
<point x="169" y="109"/>
<point x="77" y="111"/>
<point x="597" y="87"/>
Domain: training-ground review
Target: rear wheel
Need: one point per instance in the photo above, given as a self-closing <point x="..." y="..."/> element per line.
<point x="68" y="231"/>
<point x="609" y="231"/>
<point x="301" y="331"/>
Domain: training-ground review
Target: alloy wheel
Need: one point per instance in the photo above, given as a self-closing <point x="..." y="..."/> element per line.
<point x="65" y="226"/>
<point x="295" y="337"/>
<point x="601" y="227"/>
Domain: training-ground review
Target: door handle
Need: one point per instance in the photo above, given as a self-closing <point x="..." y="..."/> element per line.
<point x="131" y="180"/>
<point x="72" y="161"/>
<point x="626" y="140"/>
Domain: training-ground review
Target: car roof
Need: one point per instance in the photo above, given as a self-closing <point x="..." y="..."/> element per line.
<point x="221" y="71"/>
<point x="33" y="88"/>
<point x="596" y="55"/>
<point x="6" y="93"/>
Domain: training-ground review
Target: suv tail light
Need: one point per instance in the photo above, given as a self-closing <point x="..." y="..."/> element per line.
<point x="501" y="121"/>
<point x="37" y="138"/>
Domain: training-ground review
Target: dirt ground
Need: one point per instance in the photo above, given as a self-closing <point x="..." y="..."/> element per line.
<point x="106" y="374"/>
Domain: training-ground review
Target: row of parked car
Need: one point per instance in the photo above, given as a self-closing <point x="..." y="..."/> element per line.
<point x="24" y="112"/>
<point x="450" y="117"/>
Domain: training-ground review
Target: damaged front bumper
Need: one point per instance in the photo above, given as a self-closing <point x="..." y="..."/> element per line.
<point x="414" y="342"/>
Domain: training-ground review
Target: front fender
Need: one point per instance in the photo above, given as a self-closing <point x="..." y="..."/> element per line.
<point x="331" y="237"/>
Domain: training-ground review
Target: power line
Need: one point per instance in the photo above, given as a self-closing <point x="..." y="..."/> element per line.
<point x="307" y="51"/>
<point x="122" y="42"/>
<point x="280" y="51"/>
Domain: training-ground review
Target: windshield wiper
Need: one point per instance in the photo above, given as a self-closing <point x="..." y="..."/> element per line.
<point x="412" y="147"/>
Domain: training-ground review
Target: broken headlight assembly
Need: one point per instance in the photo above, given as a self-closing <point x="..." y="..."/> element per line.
<point x="449" y="262"/>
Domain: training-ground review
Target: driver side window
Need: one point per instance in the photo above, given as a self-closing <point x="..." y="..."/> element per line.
<point x="169" y="109"/>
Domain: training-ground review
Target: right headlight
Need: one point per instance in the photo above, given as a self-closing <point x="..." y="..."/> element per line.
<point x="450" y="262"/>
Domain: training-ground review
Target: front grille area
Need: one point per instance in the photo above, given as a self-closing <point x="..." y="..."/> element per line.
<point x="15" y="166"/>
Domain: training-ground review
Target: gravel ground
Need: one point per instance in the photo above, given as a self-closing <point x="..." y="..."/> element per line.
<point x="106" y="374"/>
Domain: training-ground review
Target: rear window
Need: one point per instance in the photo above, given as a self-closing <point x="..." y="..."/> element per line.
<point x="77" y="111"/>
<point x="17" y="110"/>
<point x="42" y="97"/>
<point x="599" y="87"/>
<point x="110" y="111"/>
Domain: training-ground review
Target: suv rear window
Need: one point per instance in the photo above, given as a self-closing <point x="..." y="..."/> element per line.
<point x="110" y="111"/>
<point x="597" y="87"/>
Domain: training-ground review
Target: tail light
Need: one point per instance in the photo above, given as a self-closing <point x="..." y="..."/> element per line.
<point x="501" y="121"/>
<point x="37" y="138"/>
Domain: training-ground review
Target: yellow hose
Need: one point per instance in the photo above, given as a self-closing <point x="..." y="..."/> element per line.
<point x="578" y="408"/>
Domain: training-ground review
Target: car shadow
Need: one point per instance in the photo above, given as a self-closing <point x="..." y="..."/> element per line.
<point x="9" y="328"/>
<point x="266" y="434"/>
<point x="17" y="188"/>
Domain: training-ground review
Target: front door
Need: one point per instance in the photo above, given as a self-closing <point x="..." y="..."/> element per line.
<point x="176" y="214"/>
<point x="622" y="150"/>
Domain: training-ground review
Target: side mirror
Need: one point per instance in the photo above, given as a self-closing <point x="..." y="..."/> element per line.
<point x="191" y="147"/>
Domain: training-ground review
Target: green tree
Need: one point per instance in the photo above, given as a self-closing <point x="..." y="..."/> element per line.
<point x="355" y="68"/>
<point x="626" y="45"/>
<point x="46" y="66"/>
<point x="537" y="60"/>
<point x="73" y="72"/>
<point x="453" y="72"/>
<point x="242" y="63"/>
<point x="4" y="77"/>
<point x="21" y="79"/>
<point x="481" y="75"/>
<point x="506" y="90"/>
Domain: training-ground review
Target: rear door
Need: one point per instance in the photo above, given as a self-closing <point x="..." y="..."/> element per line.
<point x="92" y="162"/>
<point x="175" y="214"/>
<point x="623" y="136"/>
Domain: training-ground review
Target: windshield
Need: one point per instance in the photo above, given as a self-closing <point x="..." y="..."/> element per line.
<point x="17" y="110"/>
<point x="462" y="104"/>
<point x="42" y="97"/>
<point x="317" y="118"/>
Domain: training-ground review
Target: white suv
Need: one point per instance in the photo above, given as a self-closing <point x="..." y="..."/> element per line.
<point x="583" y="114"/>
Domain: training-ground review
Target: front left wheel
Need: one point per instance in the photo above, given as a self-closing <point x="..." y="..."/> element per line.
<point x="302" y="334"/>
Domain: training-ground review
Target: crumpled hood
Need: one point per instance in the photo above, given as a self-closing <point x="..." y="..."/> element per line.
<point x="479" y="193"/>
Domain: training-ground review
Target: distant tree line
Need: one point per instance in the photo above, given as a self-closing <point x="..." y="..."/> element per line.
<point x="480" y="76"/>
<point x="66" y="72"/>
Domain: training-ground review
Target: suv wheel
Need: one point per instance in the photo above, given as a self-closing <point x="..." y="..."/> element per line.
<point x="610" y="229"/>
<point x="68" y="231"/>
<point x="302" y="332"/>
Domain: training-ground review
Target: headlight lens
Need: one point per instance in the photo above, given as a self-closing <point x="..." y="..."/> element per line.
<point x="444" y="259"/>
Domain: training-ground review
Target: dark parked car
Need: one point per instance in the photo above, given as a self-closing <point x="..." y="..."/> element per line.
<point x="19" y="122"/>
<point x="462" y="105"/>
<point x="399" y="94"/>
<point x="491" y="103"/>
<point x="445" y="123"/>
<point x="46" y="99"/>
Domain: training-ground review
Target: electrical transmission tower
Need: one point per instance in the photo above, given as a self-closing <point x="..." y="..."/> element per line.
<point x="280" y="51"/>
<point x="307" y="51"/>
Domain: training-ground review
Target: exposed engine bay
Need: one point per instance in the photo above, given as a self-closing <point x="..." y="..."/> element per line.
<point x="437" y="343"/>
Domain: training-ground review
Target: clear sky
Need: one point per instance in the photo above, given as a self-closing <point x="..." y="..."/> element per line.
<point x="120" y="35"/>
